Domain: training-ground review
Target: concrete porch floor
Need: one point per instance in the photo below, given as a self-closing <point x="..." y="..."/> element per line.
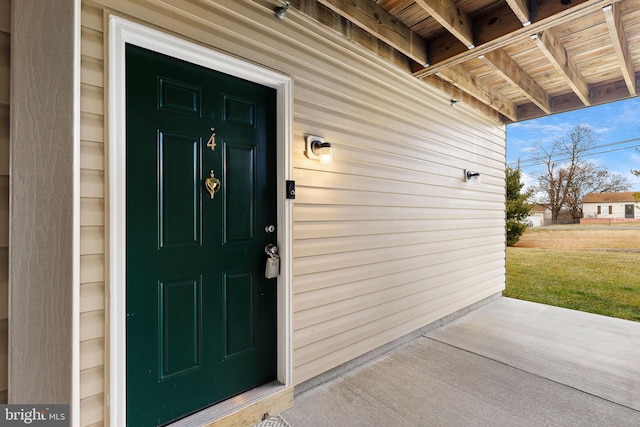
<point x="508" y="363"/>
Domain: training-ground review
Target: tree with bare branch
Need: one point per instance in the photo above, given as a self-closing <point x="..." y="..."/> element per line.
<point x="569" y="175"/>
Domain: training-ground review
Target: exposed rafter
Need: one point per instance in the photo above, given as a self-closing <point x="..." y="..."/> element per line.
<point x="455" y="93"/>
<point x="600" y="94"/>
<point x="518" y="39"/>
<point x="372" y="18"/>
<point x="556" y="54"/>
<point x="498" y="29"/>
<point x="514" y="74"/>
<point x="457" y="76"/>
<point x="521" y="10"/>
<point x="450" y="17"/>
<point x="616" y="29"/>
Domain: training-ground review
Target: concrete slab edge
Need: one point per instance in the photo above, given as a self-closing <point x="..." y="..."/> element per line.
<point x="341" y="370"/>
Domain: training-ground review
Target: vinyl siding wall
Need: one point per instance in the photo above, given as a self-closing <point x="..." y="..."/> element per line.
<point x="386" y="239"/>
<point x="5" y="20"/>
<point x="92" y="219"/>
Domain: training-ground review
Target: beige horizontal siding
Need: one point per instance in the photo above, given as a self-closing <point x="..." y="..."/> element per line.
<point x="385" y="239"/>
<point x="5" y="38"/>
<point x="92" y="410"/>
<point x="92" y="219"/>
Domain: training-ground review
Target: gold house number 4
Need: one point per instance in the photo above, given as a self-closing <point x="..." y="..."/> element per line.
<point x="212" y="140"/>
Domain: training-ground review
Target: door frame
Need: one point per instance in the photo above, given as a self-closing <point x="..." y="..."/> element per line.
<point x="121" y="32"/>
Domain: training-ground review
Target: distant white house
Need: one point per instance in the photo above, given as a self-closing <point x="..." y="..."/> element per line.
<point x="538" y="215"/>
<point x="618" y="206"/>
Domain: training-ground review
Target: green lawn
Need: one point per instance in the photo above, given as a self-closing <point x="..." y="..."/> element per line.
<point x="599" y="282"/>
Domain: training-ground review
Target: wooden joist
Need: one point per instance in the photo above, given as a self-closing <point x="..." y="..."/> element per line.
<point x="441" y="40"/>
<point x="372" y="18"/>
<point x="521" y="10"/>
<point x="457" y="76"/>
<point x="449" y="15"/>
<point x="498" y="29"/>
<point x="553" y="50"/>
<point x="514" y="74"/>
<point x="616" y="29"/>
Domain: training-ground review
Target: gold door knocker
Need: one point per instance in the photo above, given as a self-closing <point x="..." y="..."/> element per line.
<point x="212" y="184"/>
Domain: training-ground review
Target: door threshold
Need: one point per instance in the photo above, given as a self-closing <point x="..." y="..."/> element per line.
<point x="245" y="409"/>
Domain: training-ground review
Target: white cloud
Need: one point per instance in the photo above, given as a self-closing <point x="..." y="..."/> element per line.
<point x="601" y="131"/>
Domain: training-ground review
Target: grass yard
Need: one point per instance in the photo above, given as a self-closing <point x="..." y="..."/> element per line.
<point x="581" y="268"/>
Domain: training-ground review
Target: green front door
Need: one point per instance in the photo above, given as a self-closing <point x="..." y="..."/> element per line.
<point x="201" y="317"/>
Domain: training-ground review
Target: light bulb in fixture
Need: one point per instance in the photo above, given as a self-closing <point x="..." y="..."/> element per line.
<point x="318" y="149"/>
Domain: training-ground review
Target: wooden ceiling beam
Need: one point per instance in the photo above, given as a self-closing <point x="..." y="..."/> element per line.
<point x="449" y="15"/>
<point x="460" y="78"/>
<point x="616" y="29"/>
<point x="521" y="11"/>
<point x="514" y="74"/>
<point x="375" y="20"/>
<point x="454" y="93"/>
<point x="600" y="94"/>
<point x="499" y="29"/>
<point x="553" y="50"/>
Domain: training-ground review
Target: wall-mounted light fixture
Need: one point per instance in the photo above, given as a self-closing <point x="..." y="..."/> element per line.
<point x="281" y="11"/>
<point x="316" y="148"/>
<point x="472" y="176"/>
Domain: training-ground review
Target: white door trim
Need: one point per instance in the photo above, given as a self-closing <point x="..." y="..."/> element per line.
<point x="121" y="32"/>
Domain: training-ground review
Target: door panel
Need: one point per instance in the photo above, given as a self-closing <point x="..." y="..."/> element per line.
<point x="239" y="313"/>
<point x="180" y="338"/>
<point x="239" y="166"/>
<point x="179" y="187"/>
<point x="201" y="317"/>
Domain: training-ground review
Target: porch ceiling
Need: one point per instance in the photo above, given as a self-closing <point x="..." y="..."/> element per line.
<point x="520" y="58"/>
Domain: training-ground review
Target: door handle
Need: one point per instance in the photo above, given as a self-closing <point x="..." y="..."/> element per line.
<point x="212" y="184"/>
<point x="271" y="250"/>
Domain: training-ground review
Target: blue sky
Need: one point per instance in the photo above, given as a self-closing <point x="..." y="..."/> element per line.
<point x="611" y="123"/>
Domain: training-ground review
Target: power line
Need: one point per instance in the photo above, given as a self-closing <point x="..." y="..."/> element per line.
<point x="569" y="158"/>
<point x="535" y="161"/>
<point x="538" y="161"/>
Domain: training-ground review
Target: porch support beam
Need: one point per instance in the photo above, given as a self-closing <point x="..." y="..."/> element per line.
<point x="600" y="94"/>
<point x="41" y="262"/>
